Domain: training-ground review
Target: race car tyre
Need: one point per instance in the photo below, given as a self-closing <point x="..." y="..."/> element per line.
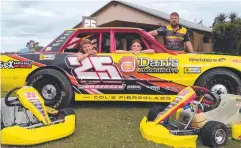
<point x="53" y="86"/>
<point x="154" y="111"/>
<point x="221" y="81"/>
<point x="214" y="134"/>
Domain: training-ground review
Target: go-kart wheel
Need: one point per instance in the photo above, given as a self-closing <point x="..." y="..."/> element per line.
<point x="65" y="112"/>
<point x="154" y="111"/>
<point x="214" y="134"/>
<point x="221" y="81"/>
<point x="53" y="86"/>
<point x="2" y="126"/>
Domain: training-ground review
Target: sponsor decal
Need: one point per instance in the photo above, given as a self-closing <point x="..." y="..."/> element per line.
<point x="46" y="57"/>
<point x="236" y="60"/>
<point x="128" y="65"/>
<point x="154" y="87"/>
<point x="183" y="93"/>
<point x="190" y="70"/>
<point x="171" y="105"/>
<point x="134" y="87"/>
<point x="172" y="88"/>
<point x="206" y="60"/>
<point x="31" y="95"/>
<point x="113" y="87"/>
<point x="94" y="68"/>
<point x="33" y="98"/>
<point x="158" y="66"/>
<point x="161" y="98"/>
<point x="16" y="64"/>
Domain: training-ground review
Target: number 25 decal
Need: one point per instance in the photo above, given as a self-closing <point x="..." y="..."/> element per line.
<point x="103" y="68"/>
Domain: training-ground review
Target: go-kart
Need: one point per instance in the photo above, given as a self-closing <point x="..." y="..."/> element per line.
<point x="196" y="112"/>
<point x="42" y="124"/>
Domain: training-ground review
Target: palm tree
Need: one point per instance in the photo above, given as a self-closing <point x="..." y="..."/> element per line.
<point x="232" y="17"/>
<point x="220" y="18"/>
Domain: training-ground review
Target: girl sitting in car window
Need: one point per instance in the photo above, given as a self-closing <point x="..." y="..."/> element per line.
<point x="136" y="48"/>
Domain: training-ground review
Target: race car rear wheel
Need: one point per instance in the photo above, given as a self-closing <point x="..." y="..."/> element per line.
<point x="214" y="134"/>
<point x="221" y="81"/>
<point x="154" y="111"/>
<point x="53" y="86"/>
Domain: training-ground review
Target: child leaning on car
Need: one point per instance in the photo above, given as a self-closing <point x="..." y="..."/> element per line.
<point x="86" y="49"/>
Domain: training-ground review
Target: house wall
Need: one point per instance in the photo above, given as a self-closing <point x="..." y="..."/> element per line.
<point x="127" y="14"/>
<point x="124" y="13"/>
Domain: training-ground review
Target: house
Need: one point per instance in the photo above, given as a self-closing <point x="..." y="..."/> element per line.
<point x="125" y="14"/>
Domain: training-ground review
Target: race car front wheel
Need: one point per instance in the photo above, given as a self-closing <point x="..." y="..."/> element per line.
<point x="53" y="86"/>
<point x="214" y="134"/>
<point x="221" y="81"/>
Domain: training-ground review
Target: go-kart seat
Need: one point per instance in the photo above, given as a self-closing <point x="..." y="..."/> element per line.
<point x="227" y="112"/>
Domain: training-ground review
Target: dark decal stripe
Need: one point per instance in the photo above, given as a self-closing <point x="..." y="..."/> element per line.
<point x="17" y="57"/>
<point x="160" y="84"/>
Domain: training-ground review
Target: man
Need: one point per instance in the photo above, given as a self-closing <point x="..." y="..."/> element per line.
<point x="174" y="34"/>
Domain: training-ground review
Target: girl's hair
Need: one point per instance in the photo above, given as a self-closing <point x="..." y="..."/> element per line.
<point x="136" y="40"/>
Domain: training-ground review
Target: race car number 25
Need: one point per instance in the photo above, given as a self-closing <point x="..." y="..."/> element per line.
<point x="96" y="68"/>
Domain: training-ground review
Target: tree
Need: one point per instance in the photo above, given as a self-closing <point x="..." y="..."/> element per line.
<point x="232" y="17"/>
<point x="33" y="46"/>
<point x="227" y="33"/>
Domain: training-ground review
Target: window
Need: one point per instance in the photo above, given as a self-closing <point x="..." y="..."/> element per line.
<point x="75" y="44"/>
<point x="123" y="41"/>
<point x="59" y="41"/>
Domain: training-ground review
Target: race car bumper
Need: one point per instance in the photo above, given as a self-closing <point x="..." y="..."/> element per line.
<point x="17" y="135"/>
<point x="236" y="131"/>
<point x="160" y="134"/>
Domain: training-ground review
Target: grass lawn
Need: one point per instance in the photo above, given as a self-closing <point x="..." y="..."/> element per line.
<point x="110" y="125"/>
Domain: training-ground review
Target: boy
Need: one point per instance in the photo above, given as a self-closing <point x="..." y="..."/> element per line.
<point x="87" y="49"/>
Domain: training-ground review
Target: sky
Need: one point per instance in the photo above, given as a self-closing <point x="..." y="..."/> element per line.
<point x="44" y="20"/>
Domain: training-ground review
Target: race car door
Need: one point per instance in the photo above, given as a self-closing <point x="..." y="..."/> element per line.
<point x="145" y="73"/>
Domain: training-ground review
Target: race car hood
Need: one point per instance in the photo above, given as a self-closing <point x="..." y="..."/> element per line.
<point x="159" y="134"/>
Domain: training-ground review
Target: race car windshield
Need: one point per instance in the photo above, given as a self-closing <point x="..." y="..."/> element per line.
<point x="59" y="41"/>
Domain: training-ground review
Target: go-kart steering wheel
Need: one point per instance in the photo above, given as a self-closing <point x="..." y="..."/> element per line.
<point x="210" y="100"/>
<point x="14" y="102"/>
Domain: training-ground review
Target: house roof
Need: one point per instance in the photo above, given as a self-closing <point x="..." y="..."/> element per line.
<point x="159" y="14"/>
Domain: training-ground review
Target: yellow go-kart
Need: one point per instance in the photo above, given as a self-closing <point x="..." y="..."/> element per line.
<point x="196" y="112"/>
<point x="42" y="124"/>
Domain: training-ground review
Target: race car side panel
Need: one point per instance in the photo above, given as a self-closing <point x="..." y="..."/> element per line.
<point x="120" y="77"/>
<point x="14" y="72"/>
<point x="192" y="66"/>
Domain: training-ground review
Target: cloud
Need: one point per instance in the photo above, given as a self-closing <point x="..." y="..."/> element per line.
<point x="43" y="21"/>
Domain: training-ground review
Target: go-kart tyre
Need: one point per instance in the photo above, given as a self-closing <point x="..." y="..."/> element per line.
<point x="2" y="126"/>
<point x="53" y="86"/>
<point x="214" y="134"/>
<point x="65" y="112"/>
<point x="223" y="79"/>
<point x="153" y="112"/>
